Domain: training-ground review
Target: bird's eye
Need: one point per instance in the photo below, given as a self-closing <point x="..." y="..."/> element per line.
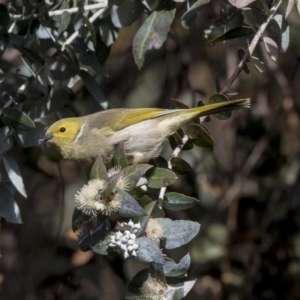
<point x="62" y="129"/>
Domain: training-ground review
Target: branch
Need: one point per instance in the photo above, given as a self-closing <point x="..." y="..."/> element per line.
<point x="251" y="48"/>
<point x="102" y="4"/>
<point x="175" y="153"/>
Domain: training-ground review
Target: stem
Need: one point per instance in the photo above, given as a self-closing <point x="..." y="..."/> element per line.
<point x="175" y="153"/>
<point x="75" y="34"/>
<point x="102" y="4"/>
<point x="251" y="48"/>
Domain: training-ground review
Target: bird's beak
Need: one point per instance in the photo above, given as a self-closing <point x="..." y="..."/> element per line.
<point x="45" y="139"/>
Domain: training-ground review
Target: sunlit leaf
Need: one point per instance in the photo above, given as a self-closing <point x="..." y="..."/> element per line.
<point x="285" y="31"/>
<point x="14" y="174"/>
<point x="240" y="3"/>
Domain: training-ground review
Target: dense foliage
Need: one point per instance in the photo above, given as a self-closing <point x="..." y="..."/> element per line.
<point x="238" y="176"/>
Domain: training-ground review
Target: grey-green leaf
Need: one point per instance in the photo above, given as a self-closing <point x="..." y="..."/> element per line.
<point x="99" y="170"/>
<point x="134" y="172"/>
<point x="119" y="158"/>
<point x="180" y="233"/>
<point x="171" y="269"/>
<point x="130" y="207"/>
<point x="64" y="23"/>
<point x="16" y="119"/>
<point x="200" y="136"/>
<point x="148" y="251"/>
<point x="152" y="34"/>
<point x="176" y="201"/>
<point x="285" y="31"/>
<point x="180" y="166"/>
<point x="158" y="178"/>
<point x="271" y="48"/>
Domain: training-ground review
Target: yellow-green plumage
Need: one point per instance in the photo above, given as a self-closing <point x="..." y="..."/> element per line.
<point x="143" y="131"/>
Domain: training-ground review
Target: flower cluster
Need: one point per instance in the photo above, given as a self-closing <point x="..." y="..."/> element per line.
<point x="124" y="241"/>
<point x="90" y="199"/>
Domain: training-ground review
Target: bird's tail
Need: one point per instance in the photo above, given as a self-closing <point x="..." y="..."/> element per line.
<point x="215" y="108"/>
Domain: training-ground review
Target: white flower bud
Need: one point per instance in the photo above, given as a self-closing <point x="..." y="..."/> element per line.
<point x="129" y="248"/>
<point x="132" y="236"/>
<point x="130" y="223"/>
<point x="130" y="242"/>
<point x="119" y="243"/>
<point x="126" y="232"/>
<point x="133" y="253"/>
<point x="135" y="246"/>
<point x="125" y="238"/>
<point x="126" y="255"/>
<point x="123" y="247"/>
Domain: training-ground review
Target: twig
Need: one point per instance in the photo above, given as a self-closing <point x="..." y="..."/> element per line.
<point x="175" y="153"/>
<point x="251" y="48"/>
<point x="75" y="34"/>
<point x="102" y="4"/>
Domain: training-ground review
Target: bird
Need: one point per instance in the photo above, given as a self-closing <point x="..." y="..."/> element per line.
<point x="143" y="131"/>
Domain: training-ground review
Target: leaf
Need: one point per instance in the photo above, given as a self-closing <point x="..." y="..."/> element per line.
<point x="190" y="15"/>
<point x="80" y="219"/>
<point x="14" y="174"/>
<point x="289" y="7"/>
<point x="9" y="208"/>
<point x="6" y="142"/>
<point x="200" y="136"/>
<point x="93" y="87"/>
<point x="216" y="98"/>
<point x="16" y="119"/>
<point x="158" y="178"/>
<point x="175" y="201"/>
<point x="96" y="241"/>
<point x="119" y="158"/>
<point x="126" y="13"/>
<point x="134" y="172"/>
<point x="240" y="3"/>
<point x="143" y="220"/>
<point x="4" y="16"/>
<point x="180" y="233"/>
<point x="90" y="28"/>
<point x="233" y="33"/>
<point x="153" y="33"/>
<point x="180" y="290"/>
<point x="180" y="166"/>
<point x="65" y="20"/>
<point x="171" y="269"/>
<point x="148" y="251"/>
<point x="271" y="48"/>
<point x="99" y="170"/>
<point x="285" y="31"/>
<point x="130" y="207"/>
